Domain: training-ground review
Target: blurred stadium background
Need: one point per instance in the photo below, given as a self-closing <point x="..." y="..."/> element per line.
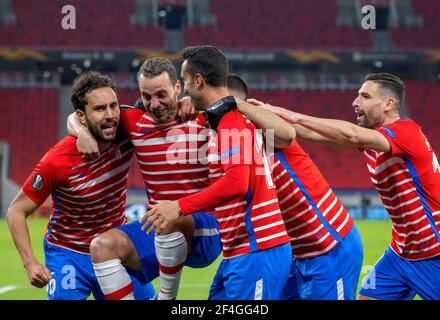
<point x="308" y="56"/>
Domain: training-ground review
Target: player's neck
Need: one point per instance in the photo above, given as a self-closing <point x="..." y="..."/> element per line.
<point x="391" y="118"/>
<point x="215" y="94"/>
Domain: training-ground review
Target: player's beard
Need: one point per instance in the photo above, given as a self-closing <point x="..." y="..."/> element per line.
<point x="369" y="122"/>
<point x="98" y="134"/>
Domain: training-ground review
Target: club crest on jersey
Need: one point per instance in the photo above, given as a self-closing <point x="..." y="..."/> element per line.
<point x="37" y="182"/>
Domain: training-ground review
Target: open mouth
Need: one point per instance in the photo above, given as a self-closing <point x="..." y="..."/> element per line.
<point x="159" y="113"/>
<point x="109" y="128"/>
<point x="360" y="115"/>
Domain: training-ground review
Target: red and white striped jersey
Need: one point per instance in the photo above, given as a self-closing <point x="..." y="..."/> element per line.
<point x="88" y="198"/>
<point x="171" y="156"/>
<point x="250" y="222"/>
<point x="408" y="182"/>
<point x="314" y="217"/>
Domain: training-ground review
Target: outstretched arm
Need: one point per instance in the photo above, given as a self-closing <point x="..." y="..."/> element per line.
<point x="301" y="132"/>
<point x="344" y="133"/>
<point x="21" y="207"/>
<point x="284" y="134"/>
<point x="332" y="131"/>
<point x="86" y="143"/>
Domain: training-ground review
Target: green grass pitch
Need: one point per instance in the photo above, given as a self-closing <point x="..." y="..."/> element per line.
<point x="195" y="283"/>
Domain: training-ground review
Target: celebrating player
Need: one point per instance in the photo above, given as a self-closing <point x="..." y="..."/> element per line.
<point x="168" y="154"/>
<point x="88" y="198"/>
<point x="325" y="242"/>
<point x="406" y="173"/>
<point x="256" y="246"/>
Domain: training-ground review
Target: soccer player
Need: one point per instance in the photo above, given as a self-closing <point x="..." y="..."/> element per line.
<point x="168" y="154"/>
<point x="325" y="242"/>
<point x="256" y="247"/>
<point x="406" y="173"/>
<point x="88" y="198"/>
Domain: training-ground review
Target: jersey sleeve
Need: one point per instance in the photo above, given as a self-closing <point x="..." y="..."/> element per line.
<point x="235" y="141"/>
<point x="233" y="183"/>
<point x="235" y="145"/>
<point x="127" y="119"/>
<point x="42" y="181"/>
<point x="402" y="137"/>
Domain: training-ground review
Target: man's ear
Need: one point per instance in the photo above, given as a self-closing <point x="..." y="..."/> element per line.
<point x="391" y="104"/>
<point x="81" y="116"/>
<point x="177" y="88"/>
<point x="199" y="81"/>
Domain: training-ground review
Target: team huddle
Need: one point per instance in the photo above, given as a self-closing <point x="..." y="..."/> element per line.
<point x="225" y="174"/>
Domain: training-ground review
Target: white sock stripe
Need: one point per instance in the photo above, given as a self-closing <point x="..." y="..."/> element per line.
<point x="171" y="251"/>
<point x="106" y="268"/>
<point x="112" y="277"/>
<point x="169" y="241"/>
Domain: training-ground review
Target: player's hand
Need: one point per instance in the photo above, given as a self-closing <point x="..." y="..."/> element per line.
<point x="186" y="110"/>
<point x="160" y="216"/>
<point x="256" y="102"/>
<point x="87" y="145"/>
<point x="289" y="116"/>
<point x="38" y="274"/>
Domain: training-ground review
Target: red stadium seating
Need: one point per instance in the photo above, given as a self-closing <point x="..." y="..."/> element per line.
<point x="417" y="37"/>
<point x="423" y="101"/>
<point x="98" y="24"/>
<point x="277" y="24"/>
<point x="29" y="123"/>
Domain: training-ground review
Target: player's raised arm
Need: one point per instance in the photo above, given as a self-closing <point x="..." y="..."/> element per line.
<point x="289" y="117"/>
<point x="21" y="207"/>
<point x="345" y="133"/>
<point x="86" y="143"/>
<point x="284" y="134"/>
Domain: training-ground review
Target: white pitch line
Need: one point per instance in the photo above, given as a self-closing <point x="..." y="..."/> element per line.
<point x="7" y="289"/>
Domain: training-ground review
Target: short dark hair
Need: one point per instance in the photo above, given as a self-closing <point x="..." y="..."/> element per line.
<point x="85" y="83"/>
<point x="389" y="82"/>
<point x="156" y="66"/>
<point x="238" y="84"/>
<point x="210" y="62"/>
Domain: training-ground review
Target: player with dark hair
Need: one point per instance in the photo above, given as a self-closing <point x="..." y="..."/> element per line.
<point x="88" y="198"/>
<point x="237" y="86"/>
<point x="406" y="173"/>
<point x="256" y="247"/>
<point x="168" y="153"/>
<point x="325" y="242"/>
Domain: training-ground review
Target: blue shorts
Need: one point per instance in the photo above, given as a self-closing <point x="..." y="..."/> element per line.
<point x="395" y="278"/>
<point x="291" y="290"/>
<point x="260" y="275"/>
<point x="334" y="275"/>
<point x="73" y="277"/>
<point x="206" y="246"/>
